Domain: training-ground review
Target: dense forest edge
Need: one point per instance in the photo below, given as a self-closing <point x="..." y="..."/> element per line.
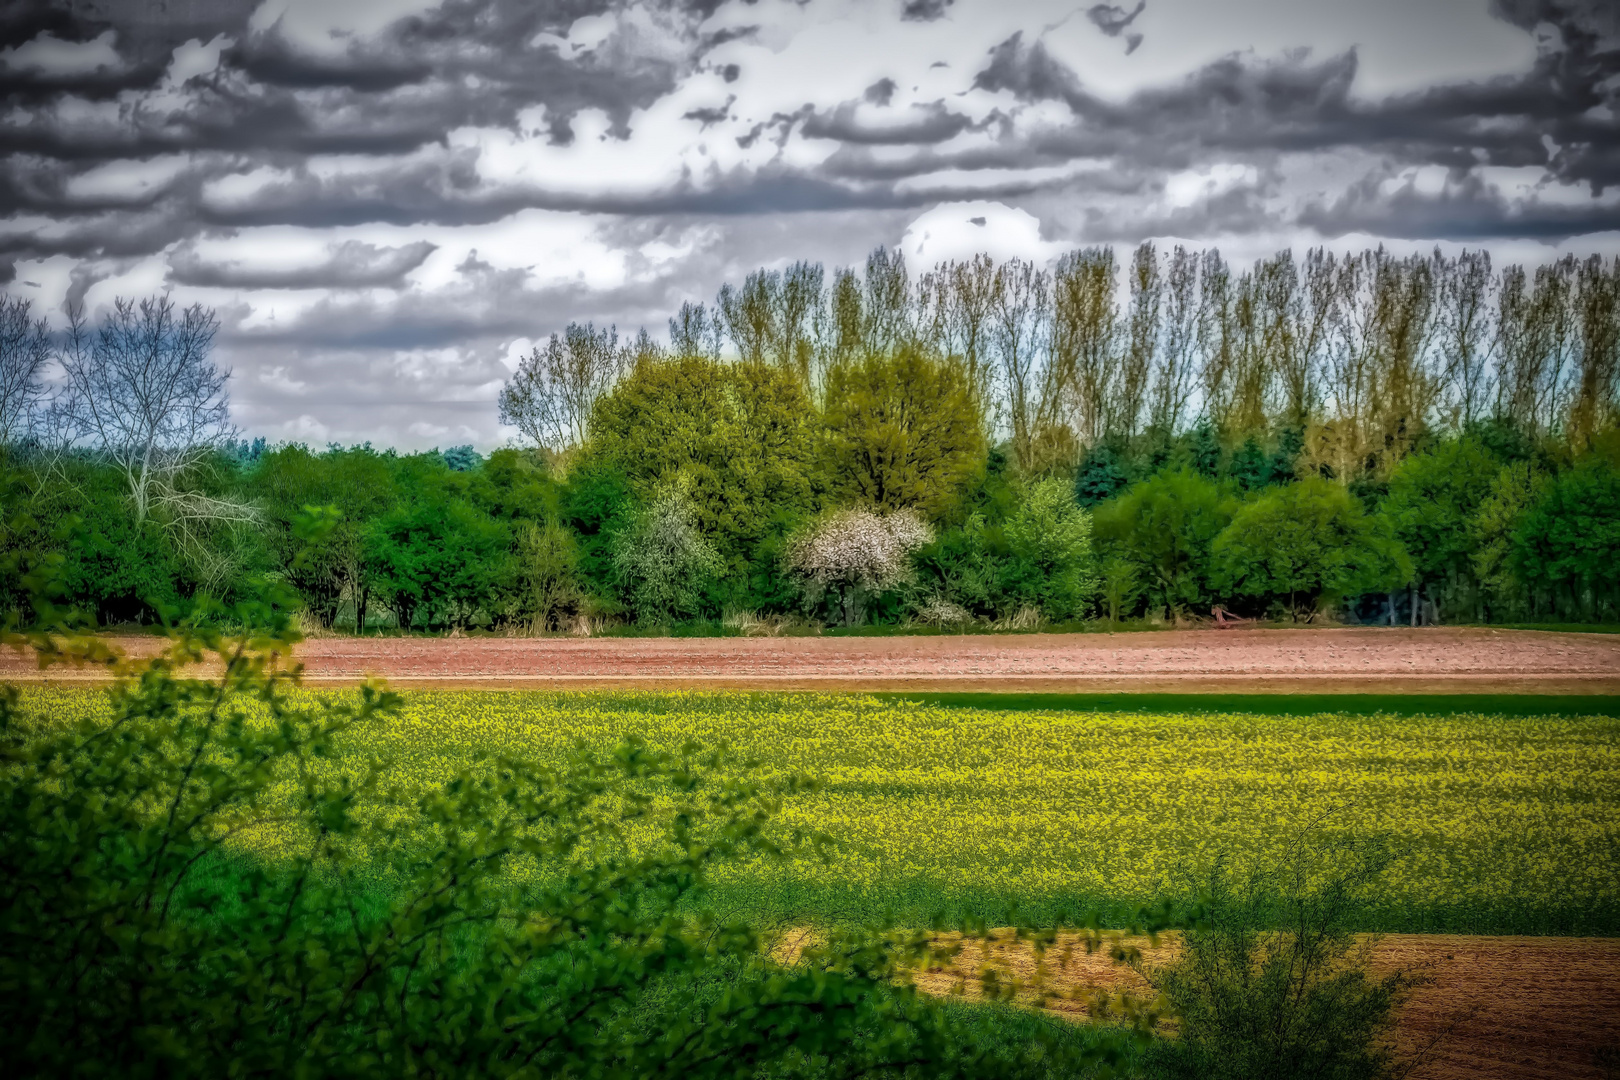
<point x="1359" y="438"/>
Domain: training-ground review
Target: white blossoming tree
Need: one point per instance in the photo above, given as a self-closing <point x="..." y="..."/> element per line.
<point x="855" y="553"/>
<point x="664" y="561"/>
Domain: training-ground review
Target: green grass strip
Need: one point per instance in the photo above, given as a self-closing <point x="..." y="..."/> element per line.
<point x="1278" y="704"/>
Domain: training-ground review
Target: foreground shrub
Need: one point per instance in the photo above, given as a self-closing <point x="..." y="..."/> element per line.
<point x="517" y="920"/>
<point x="1254" y="1002"/>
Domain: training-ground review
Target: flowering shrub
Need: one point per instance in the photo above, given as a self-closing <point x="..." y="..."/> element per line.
<point x="854" y="552"/>
<point x="664" y="561"/>
<point x="938" y="611"/>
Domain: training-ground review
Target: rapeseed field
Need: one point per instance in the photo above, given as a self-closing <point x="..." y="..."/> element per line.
<point x="1496" y="824"/>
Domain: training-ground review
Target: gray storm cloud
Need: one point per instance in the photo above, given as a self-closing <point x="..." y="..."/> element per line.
<point x="384" y="206"/>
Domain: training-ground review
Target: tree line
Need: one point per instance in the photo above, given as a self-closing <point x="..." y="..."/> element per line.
<point x="1387" y="439"/>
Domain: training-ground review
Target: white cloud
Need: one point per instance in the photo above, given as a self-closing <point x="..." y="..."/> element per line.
<point x="128" y="181"/>
<point x="327" y="28"/>
<point x="195" y="58"/>
<point x="961" y="230"/>
<point x="50" y="55"/>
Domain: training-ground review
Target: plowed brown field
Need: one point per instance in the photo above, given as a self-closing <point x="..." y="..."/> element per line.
<point x="1366" y="660"/>
<point x="1502" y="1008"/>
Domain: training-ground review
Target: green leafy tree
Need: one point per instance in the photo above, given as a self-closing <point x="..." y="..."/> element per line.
<point x="119" y="568"/>
<point x="742" y="435"/>
<point x="1517" y="487"/>
<point x="1166" y="526"/>
<point x="1304" y="545"/>
<point x="1101" y="475"/>
<point x="1432" y="497"/>
<point x="437" y="556"/>
<point x="518" y="485"/>
<point x="1049" y="537"/>
<point x="1568" y="542"/>
<point x="902" y="431"/>
<point x="596" y="504"/>
<point x="358" y="485"/>
<point x="967" y="566"/>
<point x="1120" y="586"/>
<point x="547" y="561"/>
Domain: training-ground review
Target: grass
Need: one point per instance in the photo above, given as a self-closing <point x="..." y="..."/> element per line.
<point x="1501" y="821"/>
<point x="1554" y="628"/>
<point x="1277" y="704"/>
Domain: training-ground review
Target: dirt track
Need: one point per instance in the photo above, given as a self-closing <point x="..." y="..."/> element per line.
<point x="1503" y="1008"/>
<point x="1439" y="660"/>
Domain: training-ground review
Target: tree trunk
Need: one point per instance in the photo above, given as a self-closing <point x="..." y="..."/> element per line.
<point x="1413" y="595"/>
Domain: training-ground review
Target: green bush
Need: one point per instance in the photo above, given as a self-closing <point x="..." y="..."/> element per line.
<point x="436" y="556"/>
<point x="1166" y="527"/>
<point x="1303" y="545"/>
<point x="1432" y="498"/>
<point x="1253" y="1002"/>
<point x="1568" y="542"/>
<point x="1049" y="537"/>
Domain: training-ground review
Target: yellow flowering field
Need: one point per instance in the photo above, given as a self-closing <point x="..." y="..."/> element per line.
<point x="1501" y="824"/>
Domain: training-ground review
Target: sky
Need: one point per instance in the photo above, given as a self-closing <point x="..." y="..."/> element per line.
<point x="388" y="202"/>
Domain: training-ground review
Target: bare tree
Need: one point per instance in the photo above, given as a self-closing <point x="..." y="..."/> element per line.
<point x="1463" y="334"/>
<point x="1339" y="443"/>
<point x="1141" y="341"/>
<point x="750" y="313"/>
<point x="550" y="396"/>
<point x="1183" y="316"/>
<point x="846" y="334"/>
<point x="25" y="349"/>
<point x="1533" y="340"/>
<point x="1597" y="316"/>
<point x="1249" y="329"/>
<point x="1384" y="378"/>
<point x="1295" y="313"/>
<point x="141" y="391"/>
<point x="696" y="331"/>
<point x="1214" y="340"/>
<point x="1021" y="326"/>
<point x="1085" y="332"/>
<point x="1406" y="383"/>
<point x="886" y="307"/>
<point x="777" y="317"/>
<point x="961" y="302"/>
<point x="799" y="299"/>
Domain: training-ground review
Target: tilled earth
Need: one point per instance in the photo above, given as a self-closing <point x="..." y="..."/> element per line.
<point x="1503" y="1008"/>
<point x="1368" y="660"/>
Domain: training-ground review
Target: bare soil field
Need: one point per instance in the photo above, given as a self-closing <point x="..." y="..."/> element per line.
<point x="1328" y="660"/>
<point x="1503" y="1008"/>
